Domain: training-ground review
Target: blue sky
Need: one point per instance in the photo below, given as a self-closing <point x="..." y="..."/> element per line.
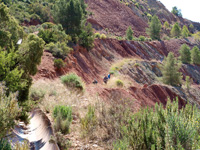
<point x="190" y="8"/>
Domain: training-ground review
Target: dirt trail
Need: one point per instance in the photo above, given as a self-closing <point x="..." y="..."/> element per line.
<point x="38" y="132"/>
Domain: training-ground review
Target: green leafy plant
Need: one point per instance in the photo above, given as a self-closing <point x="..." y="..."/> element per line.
<point x="176" y="30"/>
<point x="119" y="83"/>
<point x="129" y="33"/>
<point x="154" y="28"/>
<point x="88" y="123"/>
<point x="5" y="145"/>
<point x="59" y="63"/>
<point x="73" y="81"/>
<point x="9" y="110"/>
<point x="63" y="118"/>
<point x="163" y="128"/>
<point x="141" y="38"/>
<point x="195" y="55"/>
<point x="103" y="36"/>
<point x="185" y="54"/>
<point x="170" y="71"/>
<point x="59" y="50"/>
<point x="97" y="35"/>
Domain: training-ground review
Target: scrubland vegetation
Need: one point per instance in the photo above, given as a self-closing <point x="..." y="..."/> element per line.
<point x="59" y="26"/>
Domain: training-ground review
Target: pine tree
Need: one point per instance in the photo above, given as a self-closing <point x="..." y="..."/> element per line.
<point x="195" y="55"/>
<point x="69" y="13"/>
<point x="170" y="71"/>
<point x="166" y="25"/>
<point x="185" y="32"/>
<point x="176" y="12"/>
<point x="185" y="54"/>
<point x="86" y="38"/>
<point x="191" y="26"/>
<point x="129" y="33"/>
<point x="154" y="28"/>
<point x="176" y="30"/>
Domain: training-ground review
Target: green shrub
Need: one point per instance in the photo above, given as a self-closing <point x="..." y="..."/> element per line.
<point x="166" y="38"/>
<point x="129" y="33"/>
<point x="170" y="70"/>
<point x="61" y="140"/>
<point x="176" y="30"/>
<point x="154" y="28"/>
<point x="86" y="38"/>
<point x="65" y="111"/>
<point x="148" y="39"/>
<point x="137" y="5"/>
<point x="185" y="54"/>
<point x="63" y="118"/>
<point x="121" y="145"/>
<point x="164" y="128"/>
<point x="103" y="36"/>
<point x="36" y="94"/>
<point x="88" y="123"/>
<point x="195" y="55"/>
<point x="119" y="83"/>
<point x="9" y="111"/>
<point x="166" y="25"/>
<point x="73" y="81"/>
<point x="188" y="82"/>
<point x="59" y="50"/>
<point x="59" y="63"/>
<point x="97" y="35"/>
<point x="149" y="16"/>
<point x="136" y="65"/>
<point x="47" y="35"/>
<point x="141" y="38"/>
<point x="5" y="145"/>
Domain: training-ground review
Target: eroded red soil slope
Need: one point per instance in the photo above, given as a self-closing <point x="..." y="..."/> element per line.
<point x="97" y="62"/>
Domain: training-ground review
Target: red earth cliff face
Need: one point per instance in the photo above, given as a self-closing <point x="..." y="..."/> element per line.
<point x="95" y="63"/>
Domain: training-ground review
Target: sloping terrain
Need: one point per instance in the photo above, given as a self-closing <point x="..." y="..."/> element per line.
<point x="96" y="62"/>
<point x="143" y="86"/>
<point x="114" y="17"/>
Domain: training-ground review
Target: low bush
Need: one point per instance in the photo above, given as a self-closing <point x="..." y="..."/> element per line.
<point x="36" y="94"/>
<point x="59" y="63"/>
<point x="103" y="36"/>
<point x="163" y="128"/>
<point x="97" y="35"/>
<point x="88" y="123"/>
<point x="136" y="65"/>
<point x="166" y="38"/>
<point x="5" y="145"/>
<point x="121" y="145"/>
<point x="63" y="118"/>
<point x="25" y="145"/>
<point x="119" y="83"/>
<point x="58" y="50"/>
<point x="141" y="38"/>
<point x="63" y="143"/>
<point x="9" y="110"/>
<point x="73" y="81"/>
